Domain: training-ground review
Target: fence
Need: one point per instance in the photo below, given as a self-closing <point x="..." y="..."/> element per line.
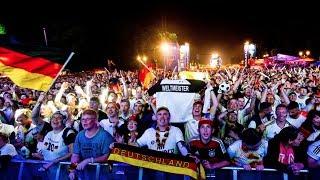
<point x="28" y="169"/>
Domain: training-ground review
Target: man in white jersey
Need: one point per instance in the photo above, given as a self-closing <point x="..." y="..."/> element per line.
<point x="296" y="117"/>
<point x="165" y="138"/>
<point x="113" y="124"/>
<point x="276" y="126"/>
<point x="58" y="143"/>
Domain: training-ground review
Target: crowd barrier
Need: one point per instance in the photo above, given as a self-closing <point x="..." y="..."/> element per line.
<point x="29" y="169"/>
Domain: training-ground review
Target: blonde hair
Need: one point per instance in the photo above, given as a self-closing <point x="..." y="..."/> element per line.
<point x="91" y="112"/>
<point x="25" y="112"/>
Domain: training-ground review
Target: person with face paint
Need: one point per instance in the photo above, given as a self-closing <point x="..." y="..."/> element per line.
<point x="165" y="138"/>
<point x="131" y="136"/>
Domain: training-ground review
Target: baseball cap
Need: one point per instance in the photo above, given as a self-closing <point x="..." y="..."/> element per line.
<point x="205" y="121"/>
<point x="63" y="114"/>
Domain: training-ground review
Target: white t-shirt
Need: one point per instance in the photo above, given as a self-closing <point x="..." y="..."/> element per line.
<point x="314" y="135"/>
<point x="249" y="157"/>
<point x="109" y="126"/>
<point x="302" y="101"/>
<point x="191" y="129"/>
<point x="8" y="149"/>
<point x="40" y="146"/>
<point x="296" y="122"/>
<point x="272" y="130"/>
<point x="148" y="138"/>
<point x="54" y="146"/>
<point x="314" y="151"/>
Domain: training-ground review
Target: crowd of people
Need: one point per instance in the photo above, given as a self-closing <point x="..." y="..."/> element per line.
<point x="259" y="118"/>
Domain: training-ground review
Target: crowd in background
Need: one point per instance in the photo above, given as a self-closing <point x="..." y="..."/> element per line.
<point x="251" y="118"/>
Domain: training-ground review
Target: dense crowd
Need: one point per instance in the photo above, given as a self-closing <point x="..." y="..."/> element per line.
<point x="250" y="118"/>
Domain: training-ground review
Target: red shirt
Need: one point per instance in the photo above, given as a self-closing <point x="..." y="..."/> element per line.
<point x="214" y="151"/>
<point x="286" y="155"/>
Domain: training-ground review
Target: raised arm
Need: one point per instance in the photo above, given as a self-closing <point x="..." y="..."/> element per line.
<point x="58" y="97"/>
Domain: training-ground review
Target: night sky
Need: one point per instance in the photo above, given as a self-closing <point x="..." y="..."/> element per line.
<point x="113" y="31"/>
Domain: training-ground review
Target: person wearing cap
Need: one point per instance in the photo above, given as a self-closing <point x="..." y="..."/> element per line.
<point x="163" y="137"/>
<point x="91" y="145"/>
<point x="58" y="143"/>
<point x="248" y="152"/>
<point x="209" y="149"/>
<point x="25" y="130"/>
<point x="138" y="107"/>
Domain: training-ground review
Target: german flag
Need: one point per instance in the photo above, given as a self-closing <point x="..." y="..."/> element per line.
<point x="156" y="160"/>
<point x="145" y="76"/>
<point x="31" y="67"/>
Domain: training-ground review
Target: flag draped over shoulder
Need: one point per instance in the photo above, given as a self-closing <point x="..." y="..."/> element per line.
<point x="31" y="67"/>
<point x="159" y="161"/>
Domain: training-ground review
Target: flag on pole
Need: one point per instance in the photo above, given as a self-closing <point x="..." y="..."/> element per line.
<point x="146" y="76"/>
<point x="31" y="67"/>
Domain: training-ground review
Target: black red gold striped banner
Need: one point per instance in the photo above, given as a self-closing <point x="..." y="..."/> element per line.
<point x="156" y="160"/>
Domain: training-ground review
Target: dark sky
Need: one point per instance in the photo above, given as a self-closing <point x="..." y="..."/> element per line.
<point x="97" y="32"/>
